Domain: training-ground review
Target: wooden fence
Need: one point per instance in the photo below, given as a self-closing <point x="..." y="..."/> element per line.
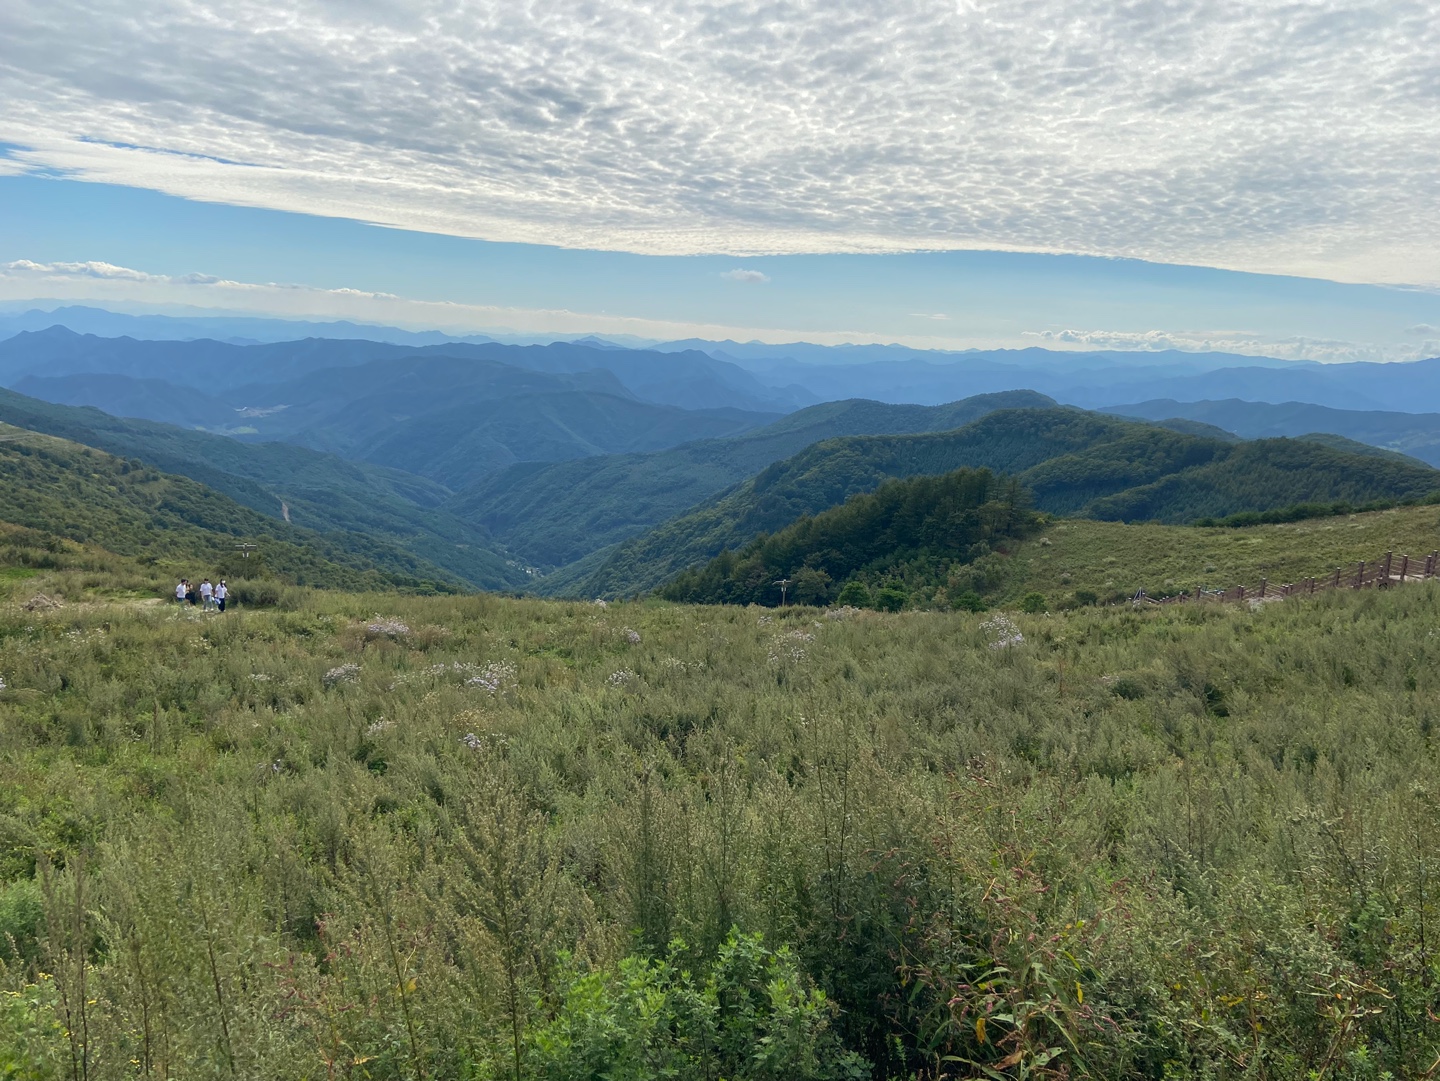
<point x="1384" y="573"/>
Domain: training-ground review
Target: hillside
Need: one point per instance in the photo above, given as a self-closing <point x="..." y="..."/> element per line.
<point x="132" y="509"/>
<point x="318" y="491"/>
<point x="1415" y="434"/>
<point x="1073" y="462"/>
<point x="923" y="525"/>
<point x="711" y="831"/>
<point x="554" y="515"/>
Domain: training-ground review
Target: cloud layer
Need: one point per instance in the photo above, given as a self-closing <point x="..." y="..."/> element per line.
<point x="1258" y="135"/>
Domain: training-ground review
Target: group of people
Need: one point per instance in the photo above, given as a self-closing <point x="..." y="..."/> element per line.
<point x="209" y="597"/>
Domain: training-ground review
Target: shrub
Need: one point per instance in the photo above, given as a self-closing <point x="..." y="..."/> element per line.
<point x="854" y="594"/>
<point x="22" y="917"/>
<point x="890" y="598"/>
<point x="1032" y="603"/>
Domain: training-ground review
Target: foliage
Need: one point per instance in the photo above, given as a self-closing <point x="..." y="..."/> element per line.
<point x="1074" y="463"/>
<point x="1108" y="842"/>
<point x="132" y="509"/>
<point x="752" y="1016"/>
<point x="351" y="502"/>
<point x="557" y="513"/>
<point x="937" y="520"/>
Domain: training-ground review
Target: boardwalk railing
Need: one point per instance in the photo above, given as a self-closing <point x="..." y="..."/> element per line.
<point x="1384" y="573"/>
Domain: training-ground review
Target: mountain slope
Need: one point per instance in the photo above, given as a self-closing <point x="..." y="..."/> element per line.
<point x="317" y="491"/>
<point x="553" y="515"/>
<point x="133" y="509"/>
<point x="931" y="521"/>
<point x="1415" y="434"/>
<point x="1074" y="463"/>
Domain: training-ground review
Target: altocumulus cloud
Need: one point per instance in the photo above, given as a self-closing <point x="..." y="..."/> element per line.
<point x="1297" y="138"/>
<point x="749" y="277"/>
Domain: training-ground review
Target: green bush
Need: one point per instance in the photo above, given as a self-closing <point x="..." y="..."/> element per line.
<point x="854" y="593"/>
<point x="890" y="598"/>
<point x="1033" y="603"/>
<point x="752" y="1018"/>
<point x="22" y="919"/>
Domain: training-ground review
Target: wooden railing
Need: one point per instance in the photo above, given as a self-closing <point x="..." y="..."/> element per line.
<point x="1384" y="573"/>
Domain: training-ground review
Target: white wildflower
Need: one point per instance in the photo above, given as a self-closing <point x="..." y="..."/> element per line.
<point x="1002" y="632"/>
<point x="621" y="678"/>
<point x="386" y="628"/>
<point x="344" y="673"/>
<point x="845" y="611"/>
<point x="494" y="677"/>
<point x="2" y="683"/>
<point x="471" y="740"/>
<point x="259" y="677"/>
<point x="632" y="636"/>
<point x="764" y="621"/>
<point x="379" y="726"/>
<point x="601" y="603"/>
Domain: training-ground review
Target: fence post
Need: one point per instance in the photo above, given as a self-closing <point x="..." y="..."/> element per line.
<point x="1385" y="574"/>
<point x="1404" y="566"/>
<point x="1360" y="574"/>
<point x="1263" y="583"/>
<point x="1336" y="583"/>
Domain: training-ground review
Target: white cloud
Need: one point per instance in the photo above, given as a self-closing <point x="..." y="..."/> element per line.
<point x="1297" y="138"/>
<point x="749" y="277"/>
<point x="939" y="317"/>
<point x="1230" y="341"/>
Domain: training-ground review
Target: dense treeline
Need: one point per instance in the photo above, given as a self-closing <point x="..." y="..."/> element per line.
<point x="471" y="837"/>
<point x="849" y="550"/>
<point x="1074" y="462"/>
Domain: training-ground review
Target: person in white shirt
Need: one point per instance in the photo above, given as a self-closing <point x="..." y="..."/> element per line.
<point x="221" y="592"/>
<point x="206" y="594"/>
<point x="180" y="591"/>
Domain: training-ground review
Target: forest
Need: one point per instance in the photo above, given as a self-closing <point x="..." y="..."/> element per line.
<point x="387" y="836"/>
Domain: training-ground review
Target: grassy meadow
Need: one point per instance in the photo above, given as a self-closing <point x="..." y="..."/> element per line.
<point x="1114" y="559"/>
<point x="384" y="836"/>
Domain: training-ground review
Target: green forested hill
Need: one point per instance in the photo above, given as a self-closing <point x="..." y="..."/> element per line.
<point x="318" y="491"/>
<point x="133" y="509"/>
<point x="555" y="514"/>
<point x="866" y="540"/>
<point x="1072" y="461"/>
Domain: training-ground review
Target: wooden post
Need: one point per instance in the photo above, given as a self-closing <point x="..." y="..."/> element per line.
<point x="1263" y="583"/>
<point x="1336" y="584"/>
<point x="1360" y="574"/>
<point x="1384" y="582"/>
<point x="1404" y="566"/>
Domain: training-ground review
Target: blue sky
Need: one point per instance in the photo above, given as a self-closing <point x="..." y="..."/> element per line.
<point x="142" y="250"/>
<point x="991" y="172"/>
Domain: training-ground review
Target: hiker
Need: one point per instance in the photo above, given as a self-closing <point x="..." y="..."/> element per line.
<point x="190" y="593"/>
<point x="207" y="592"/>
<point x="221" y="592"/>
<point x="180" y="591"/>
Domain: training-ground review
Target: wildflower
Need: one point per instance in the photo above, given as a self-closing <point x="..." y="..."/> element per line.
<point x="2" y="683"/>
<point x="494" y="677"/>
<point x="601" y="603"/>
<point x="344" y="673"/>
<point x="621" y="678"/>
<point x="1002" y="632"/>
<point x="379" y="726"/>
<point x="632" y="636"/>
<point x="259" y="677"/>
<point x="386" y="628"/>
<point x="471" y="740"/>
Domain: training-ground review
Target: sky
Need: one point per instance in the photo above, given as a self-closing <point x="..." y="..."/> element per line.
<point x="1258" y="177"/>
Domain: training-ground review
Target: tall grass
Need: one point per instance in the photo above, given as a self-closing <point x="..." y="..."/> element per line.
<point x="539" y="839"/>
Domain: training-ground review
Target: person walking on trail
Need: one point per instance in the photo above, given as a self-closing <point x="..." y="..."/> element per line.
<point x="221" y="592"/>
<point x="207" y="592"/>
<point x="180" y="591"/>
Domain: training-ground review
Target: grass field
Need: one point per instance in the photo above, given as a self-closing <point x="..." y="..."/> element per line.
<point x="384" y="836"/>
<point x="1112" y="559"/>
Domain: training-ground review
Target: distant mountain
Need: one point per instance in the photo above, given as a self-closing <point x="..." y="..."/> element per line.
<point x="318" y="491"/>
<point x="1072" y="461"/>
<point x="126" y="396"/>
<point x="684" y="379"/>
<point x="133" y="509"/>
<point x="1415" y="434"/>
<point x="456" y="420"/>
<point x="850" y="552"/>
<point x="554" y="514"/>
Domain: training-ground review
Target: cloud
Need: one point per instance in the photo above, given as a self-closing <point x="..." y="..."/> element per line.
<point x="750" y="277"/>
<point x="127" y="288"/>
<point x="939" y="317"/>
<point x="1421" y="330"/>
<point x="1229" y="341"/>
<point x="1277" y="137"/>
